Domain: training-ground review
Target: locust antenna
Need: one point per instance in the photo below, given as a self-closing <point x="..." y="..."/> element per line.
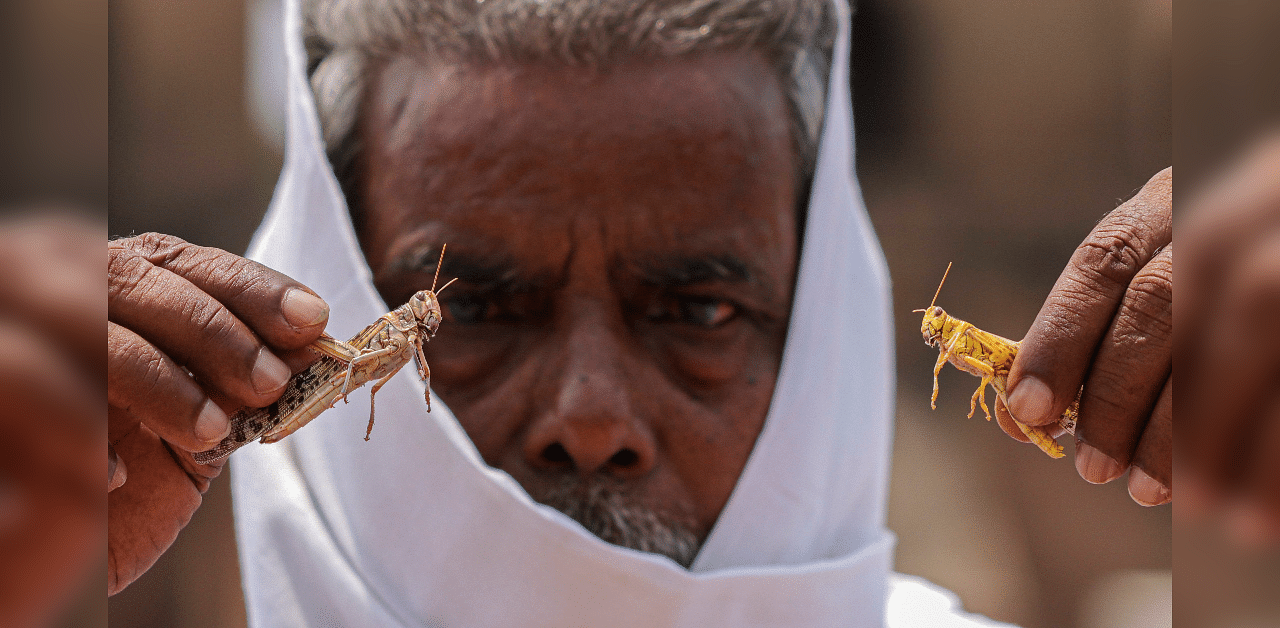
<point x="446" y="285"/>
<point x="442" y="261"/>
<point x="944" y="280"/>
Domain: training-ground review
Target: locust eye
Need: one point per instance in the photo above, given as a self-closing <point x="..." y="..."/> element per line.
<point x="937" y="311"/>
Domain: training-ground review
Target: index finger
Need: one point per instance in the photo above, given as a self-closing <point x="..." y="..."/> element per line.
<point x="1054" y="358"/>
<point x="283" y="312"/>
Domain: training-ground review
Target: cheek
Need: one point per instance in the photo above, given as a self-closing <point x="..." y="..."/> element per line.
<point x="714" y="367"/>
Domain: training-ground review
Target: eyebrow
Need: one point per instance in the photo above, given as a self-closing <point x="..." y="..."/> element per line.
<point x="681" y="271"/>
<point x="484" y="273"/>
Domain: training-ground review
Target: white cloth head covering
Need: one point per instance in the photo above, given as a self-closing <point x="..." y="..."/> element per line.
<point x="413" y="529"/>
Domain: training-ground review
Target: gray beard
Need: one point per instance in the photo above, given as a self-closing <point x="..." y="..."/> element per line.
<point x="603" y="510"/>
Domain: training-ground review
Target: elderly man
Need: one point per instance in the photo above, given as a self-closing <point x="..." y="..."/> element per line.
<point x="670" y="324"/>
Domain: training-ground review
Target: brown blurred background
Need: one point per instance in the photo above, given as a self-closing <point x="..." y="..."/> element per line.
<point x="53" y="157"/>
<point x="1227" y="93"/>
<point x="992" y="134"/>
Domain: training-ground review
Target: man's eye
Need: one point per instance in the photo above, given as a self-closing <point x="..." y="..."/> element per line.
<point x="707" y="313"/>
<point x="466" y="310"/>
<point x="704" y="312"/>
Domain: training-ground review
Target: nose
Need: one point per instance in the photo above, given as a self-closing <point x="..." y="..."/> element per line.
<point x="591" y="426"/>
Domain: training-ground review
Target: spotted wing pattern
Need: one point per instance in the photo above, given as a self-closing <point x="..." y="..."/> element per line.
<point x="251" y="423"/>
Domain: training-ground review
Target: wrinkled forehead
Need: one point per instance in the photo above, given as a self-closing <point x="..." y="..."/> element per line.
<point x="734" y="93"/>
<point x="662" y="132"/>
<point x="685" y="149"/>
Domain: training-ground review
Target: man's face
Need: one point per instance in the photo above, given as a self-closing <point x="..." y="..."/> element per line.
<point x="625" y="243"/>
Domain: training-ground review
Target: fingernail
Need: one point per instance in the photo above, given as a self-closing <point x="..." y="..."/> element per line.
<point x="1145" y="490"/>
<point x="1096" y="467"/>
<point x="269" y="373"/>
<point x="116" y="472"/>
<point x="212" y="425"/>
<point x="303" y="309"/>
<point x="1031" y="401"/>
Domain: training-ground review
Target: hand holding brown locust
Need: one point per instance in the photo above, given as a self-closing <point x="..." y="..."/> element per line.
<point x="192" y="333"/>
<point x="1108" y="325"/>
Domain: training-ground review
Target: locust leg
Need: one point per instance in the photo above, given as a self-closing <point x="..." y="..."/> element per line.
<point x="937" y="368"/>
<point x="332" y="347"/>
<point x="374" y="391"/>
<point x="980" y="396"/>
<point x="364" y="357"/>
<point x="1040" y="437"/>
<point x="424" y="371"/>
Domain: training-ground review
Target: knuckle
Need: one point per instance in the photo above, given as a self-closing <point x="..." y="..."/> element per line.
<point x="1149" y="299"/>
<point x="127" y="275"/>
<point x="1113" y="252"/>
<point x="148" y="244"/>
<point x="1151" y="295"/>
<point x="1163" y="179"/>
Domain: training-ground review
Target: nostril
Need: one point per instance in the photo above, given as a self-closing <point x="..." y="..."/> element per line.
<point x="625" y="458"/>
<point x="556" y="453"/>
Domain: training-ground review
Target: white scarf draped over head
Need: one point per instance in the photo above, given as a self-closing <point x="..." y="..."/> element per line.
<point x="414" y="529"/>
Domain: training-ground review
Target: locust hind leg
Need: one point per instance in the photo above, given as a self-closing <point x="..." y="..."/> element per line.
<point x="937" y="368"/>
<point x="424" y="372"/>
<point x="351" y="365"/>
<point x="1040" y="436"/>
<point x="980" y="395"/>
<point x="943" y="354"/>
<point x="373" y="392"/>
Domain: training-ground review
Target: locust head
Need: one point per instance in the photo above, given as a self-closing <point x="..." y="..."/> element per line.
<point x="426" y="310"/>
<point x="931" y="327"/>
<point x="425" y="305"/>
<point x="934" y="318"/>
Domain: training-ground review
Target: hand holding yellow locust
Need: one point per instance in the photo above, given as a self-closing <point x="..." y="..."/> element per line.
<point x="988" y="356"/>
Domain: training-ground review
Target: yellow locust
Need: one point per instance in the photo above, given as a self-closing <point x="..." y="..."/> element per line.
<point x="988" y="356"/>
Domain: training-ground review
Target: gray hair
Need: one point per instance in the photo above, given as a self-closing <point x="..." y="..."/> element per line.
<point x="345" y="37"/>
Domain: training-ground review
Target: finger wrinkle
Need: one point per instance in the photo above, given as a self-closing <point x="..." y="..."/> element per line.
<point x="211" y="264"/>
<point x="1071" y="305"/>
<point x="1111" y="259"/>
<point x="1146" y="313"/>
<point x="136" y="352"/>
<point x="126" y="273"/>
<point x="162" y="249"/>
<point x="196" y="266"/>
<point x="220" y="325"/>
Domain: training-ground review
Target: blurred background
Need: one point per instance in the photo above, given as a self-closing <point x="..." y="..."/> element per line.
<point x="53" y="162"/>
<point x="1227" y="93"/>
<point x="993" y="134"/>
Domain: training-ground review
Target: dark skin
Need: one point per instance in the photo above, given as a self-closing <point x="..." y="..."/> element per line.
<point x="626" y="244"/>
<point x="623" y="294"/>
<point x="172" y="304"/>
<point x="1108" y="325"/>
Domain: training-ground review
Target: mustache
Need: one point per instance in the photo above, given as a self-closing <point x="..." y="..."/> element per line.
<point x="604" y="509"/>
